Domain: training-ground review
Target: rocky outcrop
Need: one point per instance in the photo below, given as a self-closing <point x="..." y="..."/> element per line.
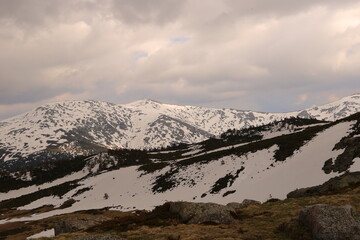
<point x="331" y="223"/>
<point x="245" y="203"/>
<point x="335" y="185"/>
<point x="77" y="224"/>
<point x="203" y="213"/>
<point x="350" y="146"/>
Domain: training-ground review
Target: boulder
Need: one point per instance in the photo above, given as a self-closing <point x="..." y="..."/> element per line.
<point x="272" y="200"/>
<point x="203" y="213"/>
<point x="77" y="224"/>
<point x="331" y="223"/>
<point x="245" y="203"/>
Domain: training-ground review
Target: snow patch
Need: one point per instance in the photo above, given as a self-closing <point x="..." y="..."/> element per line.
<point x="45" y="233"/>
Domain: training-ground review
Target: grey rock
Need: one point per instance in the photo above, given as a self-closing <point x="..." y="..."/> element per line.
<point x="331" y="223"/>
<point x="203" y="213"/>
<point x="304" y="114"/>
<point x="235" y="205"/>
<point x="245" y="203"/>
<point x="334" y="185"/>
<point x="77" y="224"/>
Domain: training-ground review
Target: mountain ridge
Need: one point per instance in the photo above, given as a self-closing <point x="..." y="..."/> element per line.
<point x="75" y="128"/>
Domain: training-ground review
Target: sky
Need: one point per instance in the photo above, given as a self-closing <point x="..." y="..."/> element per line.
<point x="263" y="55"/>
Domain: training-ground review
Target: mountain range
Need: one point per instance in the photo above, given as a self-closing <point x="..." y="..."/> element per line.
<point x="259" y="162"/>
<point x="67" y="129"/>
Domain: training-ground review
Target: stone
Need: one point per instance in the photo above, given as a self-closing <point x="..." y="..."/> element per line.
<point x="174" y="237"/>
<point x="245" y="203"/>
<point x="272" y="200"/>
<point x="331" y="223"/>
<point x="203" y="213"/>
<point x="77" y="224"/>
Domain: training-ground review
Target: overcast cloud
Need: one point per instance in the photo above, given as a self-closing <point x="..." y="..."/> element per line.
<point x="268" y="55"/>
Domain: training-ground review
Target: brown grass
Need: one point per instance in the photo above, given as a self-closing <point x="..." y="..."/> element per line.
<point x="269" y="221"/>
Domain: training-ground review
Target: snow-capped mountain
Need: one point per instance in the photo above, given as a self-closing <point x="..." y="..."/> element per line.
<point x="86" y="127"/>
<point x="256" y="163"/>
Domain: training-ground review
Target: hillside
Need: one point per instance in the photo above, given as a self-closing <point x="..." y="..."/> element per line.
<point x="273" y="219"/>
<point x="254" y="163"/>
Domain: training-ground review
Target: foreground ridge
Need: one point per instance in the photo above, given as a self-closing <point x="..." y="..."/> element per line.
<point x="307" y="218"/>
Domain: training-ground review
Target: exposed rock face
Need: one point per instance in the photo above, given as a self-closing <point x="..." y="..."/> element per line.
<point x="243" y="204"/>
<point x="98" y="237"/>
<point x="334" y="185"/>
<point x="77" y="224"/>
<point x="331" y="223"/>
<point x="203" y="213"/>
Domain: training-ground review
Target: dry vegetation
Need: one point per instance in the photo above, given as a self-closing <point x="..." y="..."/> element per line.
<point x="271" y="220"/>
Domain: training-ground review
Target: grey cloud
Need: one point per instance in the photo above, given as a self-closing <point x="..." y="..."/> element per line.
<point x="280" y="7"/>
<point x="139" y="11"/>
<point x="30" y="15"/>
<point x="27" y="13"/>
<point x="38" y="12"/>
<point x="120" y="51"/>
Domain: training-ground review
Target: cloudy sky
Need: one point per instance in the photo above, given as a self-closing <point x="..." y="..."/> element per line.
<point x="265" y="55"/>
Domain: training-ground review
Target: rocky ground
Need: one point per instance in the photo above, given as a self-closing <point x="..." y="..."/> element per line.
<point x="330" y="215"/>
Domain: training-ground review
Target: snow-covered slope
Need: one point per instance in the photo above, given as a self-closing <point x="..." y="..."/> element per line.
<point x="256" y="163"/>
<point x="335" y="110"/>
<point x="85" y="127"/>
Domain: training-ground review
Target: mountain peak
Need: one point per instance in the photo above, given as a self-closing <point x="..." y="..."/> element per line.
<point x="143" y="102"/>
<point x="355" y="96"/>
<point x="151" y="101"/>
